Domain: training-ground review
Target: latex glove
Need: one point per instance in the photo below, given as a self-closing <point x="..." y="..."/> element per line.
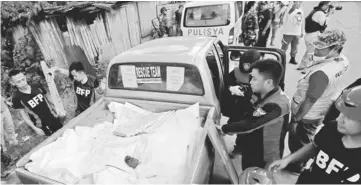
<point x="236" y="91"/>
<point x="263" y="32"/>
<point x="278" y="164"/>
<point x="39" y="131"/>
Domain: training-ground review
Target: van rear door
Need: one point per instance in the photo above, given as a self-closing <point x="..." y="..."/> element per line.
<point x="216" y="19"/>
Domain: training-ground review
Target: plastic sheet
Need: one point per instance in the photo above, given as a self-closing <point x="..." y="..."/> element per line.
<point x="94" y="155"/>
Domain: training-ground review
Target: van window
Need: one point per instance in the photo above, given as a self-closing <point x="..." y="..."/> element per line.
<point x="156" y="77"/>
<point x="206" y="16"/>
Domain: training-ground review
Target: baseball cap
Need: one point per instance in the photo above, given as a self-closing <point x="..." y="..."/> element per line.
<point x="349" y="103"/>
<point x="330" y="38"/>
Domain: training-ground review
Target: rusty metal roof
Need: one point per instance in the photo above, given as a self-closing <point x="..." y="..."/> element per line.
<point x="83" y="7"/>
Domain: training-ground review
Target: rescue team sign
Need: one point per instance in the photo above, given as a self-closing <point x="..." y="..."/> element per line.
<point x="205" y="32"/>
<point x="148" y="74"/>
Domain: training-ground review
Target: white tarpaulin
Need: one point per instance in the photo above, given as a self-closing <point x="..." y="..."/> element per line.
<point x="94" y="155"/>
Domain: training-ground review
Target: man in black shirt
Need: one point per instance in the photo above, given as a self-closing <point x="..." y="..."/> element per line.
<point x="36" y="99"/>
<point x="264" y="23"/>
<point x="336" y="148"/>
<point x="239" y="94"/>
<point x="84" y="86"/>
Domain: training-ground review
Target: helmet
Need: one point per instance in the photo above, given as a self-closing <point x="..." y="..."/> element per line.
<point x="349" y="103"/>
<point x="330" y="38"/>
<point x="247" y="58"/>
<point x="256" y="175"/>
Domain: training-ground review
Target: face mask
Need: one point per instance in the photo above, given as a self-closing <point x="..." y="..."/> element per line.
<point x="318" y="59"/>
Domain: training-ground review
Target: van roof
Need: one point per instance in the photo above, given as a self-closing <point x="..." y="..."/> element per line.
<point x="171" y="49"/>
<point x="202" y="3"/>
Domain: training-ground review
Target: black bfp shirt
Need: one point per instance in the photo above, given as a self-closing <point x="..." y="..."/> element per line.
<point x="35" y="101"/>
<point x="334" y="164"/>
<point x="84" y="92"/>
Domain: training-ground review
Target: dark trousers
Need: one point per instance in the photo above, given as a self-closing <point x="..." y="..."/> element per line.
<point x="50" y="124"/>
<point x="262" y="39"/>
<point x="300" y="134"/>
<point x="294" y="40"/>
<point x="252" y="152"/>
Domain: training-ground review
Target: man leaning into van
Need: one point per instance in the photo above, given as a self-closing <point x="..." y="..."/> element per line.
<point x="269" y="109"/>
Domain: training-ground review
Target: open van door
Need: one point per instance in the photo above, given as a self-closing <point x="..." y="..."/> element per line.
<point x="231" y="63"/>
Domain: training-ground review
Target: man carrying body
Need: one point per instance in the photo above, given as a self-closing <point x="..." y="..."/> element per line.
<point x="238" y="101"/>
<point x="84" y="86"/>
<point x="293" y="23"/>
<point x="36" y="99"/>
<point x="317" y="90"/>
<point x="315" y="23"/>
<point x="336" y="147"/>
<point x="271" y="106"/>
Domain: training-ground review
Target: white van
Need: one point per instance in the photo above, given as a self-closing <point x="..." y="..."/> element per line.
<point x="212" y="18"/>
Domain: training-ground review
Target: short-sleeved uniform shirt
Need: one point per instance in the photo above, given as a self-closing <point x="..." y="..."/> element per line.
<point x="263" y="18"/>
<point x="334" y="163"/>
<point x="35" y="101"/>
<point x="84" y="92"/>
<point x="318" y="84"/>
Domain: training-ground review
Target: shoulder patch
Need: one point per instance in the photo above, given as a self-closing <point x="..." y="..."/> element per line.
<point x="259" y="112"/>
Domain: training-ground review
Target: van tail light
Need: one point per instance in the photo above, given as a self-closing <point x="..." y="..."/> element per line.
<point x="231" y="36"/>
<point x="180" y="32"/>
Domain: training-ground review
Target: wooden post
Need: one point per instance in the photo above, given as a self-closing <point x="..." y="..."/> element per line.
<point x="54" y="94"/>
